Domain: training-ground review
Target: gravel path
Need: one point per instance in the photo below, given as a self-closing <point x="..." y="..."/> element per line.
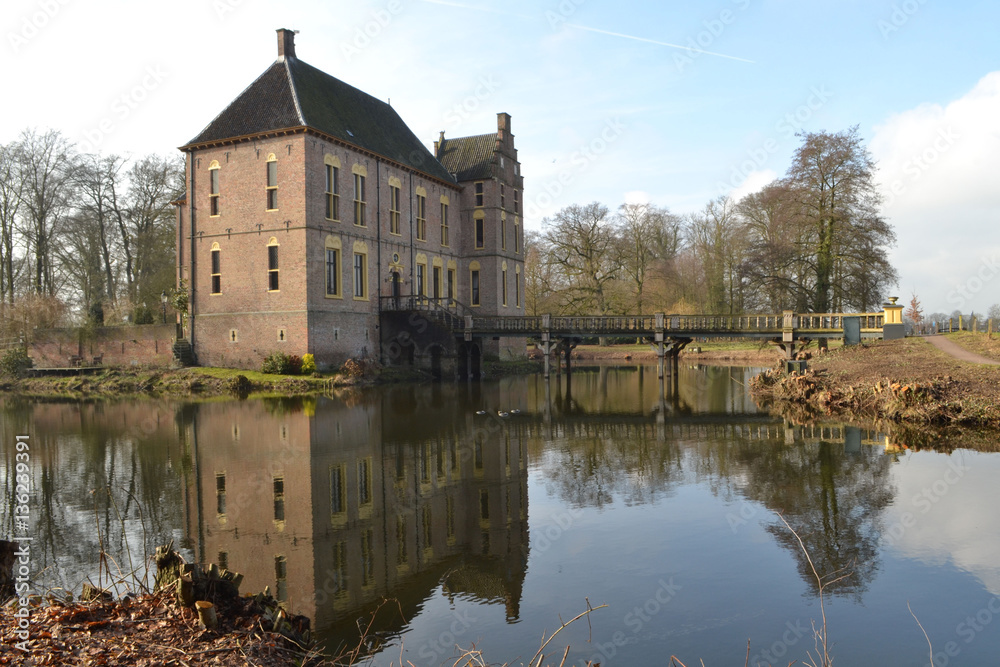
<point x="959" y="352"/>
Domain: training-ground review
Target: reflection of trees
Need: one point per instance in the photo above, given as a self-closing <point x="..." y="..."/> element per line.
<point x="98" y="470"/>
<point x="597" y="463"/>
<point x="831" y="498"/>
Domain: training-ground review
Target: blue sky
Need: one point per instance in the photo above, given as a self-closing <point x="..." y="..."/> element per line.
<point x="596" y="115"/>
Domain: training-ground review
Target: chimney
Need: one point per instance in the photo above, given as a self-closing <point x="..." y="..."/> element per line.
<point x="438" y="145"/>
<point x="286" y="43"/>
<point x="503" y="126"/>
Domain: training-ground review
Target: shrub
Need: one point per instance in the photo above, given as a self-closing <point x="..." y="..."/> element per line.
<point x="308" y="364"/>
<point x="142" y="315"/>
<point x="275" y="363"/>
<point x="279" y="363"/>
<point x="15" y="361"/>
<point x="359" y="368"/>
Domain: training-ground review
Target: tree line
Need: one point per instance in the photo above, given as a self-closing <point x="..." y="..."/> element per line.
<point x="82" y="236"/>
<point x="811" y="241"/>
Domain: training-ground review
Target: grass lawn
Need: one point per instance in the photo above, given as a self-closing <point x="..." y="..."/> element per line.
<point x="979" y="343"/>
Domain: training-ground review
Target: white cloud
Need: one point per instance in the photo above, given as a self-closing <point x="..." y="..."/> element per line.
<point x="754" y="182"/>
<point x="938" y="167"/>
<point x="637" y="197"/>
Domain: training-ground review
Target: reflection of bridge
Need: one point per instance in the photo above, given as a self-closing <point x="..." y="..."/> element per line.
<point x="669" y="334"/>
<point x="753" y="428"/>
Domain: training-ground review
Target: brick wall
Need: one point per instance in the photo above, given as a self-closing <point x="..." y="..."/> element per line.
<point x="146" y="345"/>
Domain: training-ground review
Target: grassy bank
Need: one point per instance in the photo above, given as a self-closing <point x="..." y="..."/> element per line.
<point x="902" y="381"/>
<point x="115" y="382"/>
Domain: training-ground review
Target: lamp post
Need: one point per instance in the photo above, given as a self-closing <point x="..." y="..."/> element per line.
<point x="163" y="305"/>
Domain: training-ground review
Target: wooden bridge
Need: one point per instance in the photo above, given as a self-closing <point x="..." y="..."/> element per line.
<point x="668" y="334"/>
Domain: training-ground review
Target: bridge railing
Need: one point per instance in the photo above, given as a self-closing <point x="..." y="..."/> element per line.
<point x="604" y="324"/>
<point x="835" y="321"/>
<point x="772" y="323"/>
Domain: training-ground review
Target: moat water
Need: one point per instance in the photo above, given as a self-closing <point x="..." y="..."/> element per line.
<point x="660" y="501"/>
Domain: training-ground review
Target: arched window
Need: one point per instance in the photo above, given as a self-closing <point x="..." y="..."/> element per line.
<point x="360" y="174"/>
<point x="395" y="186"/>
<point x="503" y="284"/>
<point x="216" y="269"/>
<point x="332" y="196"/>
<point x="272" y="265"/>
<point x="360" y="271"/>
<point x="213" y="190"/>
<point x="444" y="220"/>
<point x="333" y="267"/>
<point x="421" y="215"/>
<point x="474" y="284"/>
<point x="272" y="182"/>
<point x="517" y="285"/>
<point x="480" y="229"/>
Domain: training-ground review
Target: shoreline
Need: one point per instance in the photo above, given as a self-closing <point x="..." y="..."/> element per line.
<point x="906" y="382"/>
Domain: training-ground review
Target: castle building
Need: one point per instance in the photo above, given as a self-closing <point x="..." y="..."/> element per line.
<point x="311" y="210"/>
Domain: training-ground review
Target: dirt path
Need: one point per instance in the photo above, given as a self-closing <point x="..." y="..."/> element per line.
<point x="959" y="352"/>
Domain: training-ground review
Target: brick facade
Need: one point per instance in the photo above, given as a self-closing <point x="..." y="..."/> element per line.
<point x="146" y="345"/>
<point x="236" y="319"/>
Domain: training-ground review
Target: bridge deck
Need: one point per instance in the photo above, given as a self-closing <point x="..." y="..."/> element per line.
<point x="464" y="320"/>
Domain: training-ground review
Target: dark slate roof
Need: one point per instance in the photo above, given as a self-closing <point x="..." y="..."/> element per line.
<point x="469" y="158"/>
<point x="293" y="94"/>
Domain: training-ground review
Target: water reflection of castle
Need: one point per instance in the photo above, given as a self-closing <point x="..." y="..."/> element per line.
<point x="334" y="510"/>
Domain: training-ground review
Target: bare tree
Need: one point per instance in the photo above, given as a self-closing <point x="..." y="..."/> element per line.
<point x="145" y="220"/>
<point x="11" y="190"/>
<point x="97" y="180"/>
<point x="46" y="166"/>
<point x="715" y="237"/>
<point x="832" y="181"/>
<point x="915" y="312"/>
<point x="580" y="242"/>
<point x="645" y="234"/>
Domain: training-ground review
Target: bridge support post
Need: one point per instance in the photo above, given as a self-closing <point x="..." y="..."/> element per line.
<point x="658" y="325"/>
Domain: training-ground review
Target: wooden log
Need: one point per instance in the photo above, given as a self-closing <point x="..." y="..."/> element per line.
<point x="7" y="570"/>
<point x="185" y="590"/>
<point x="91" y="593"/>
<point x="206" y="614"/>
